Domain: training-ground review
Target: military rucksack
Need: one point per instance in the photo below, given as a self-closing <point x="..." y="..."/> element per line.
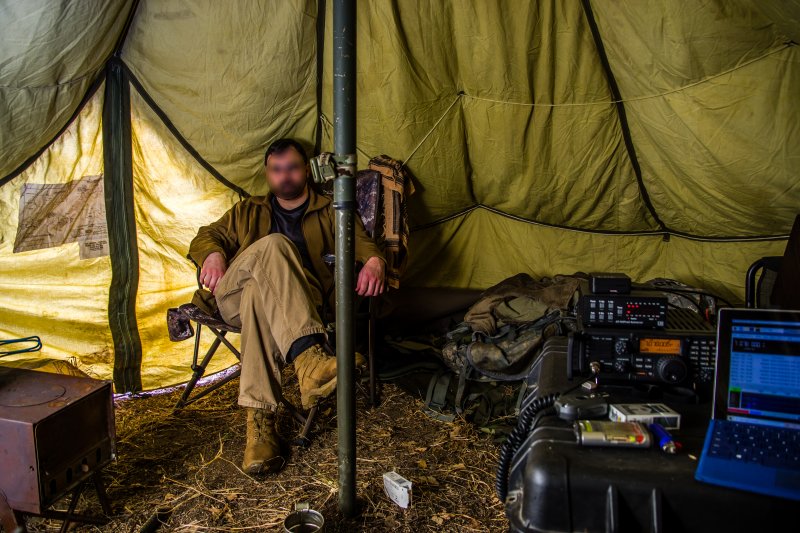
<point x="489" y="355"/>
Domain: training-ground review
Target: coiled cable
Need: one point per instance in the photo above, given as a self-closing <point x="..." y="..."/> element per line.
<point x="515" y="439"/>
<point x="520" y="433"/>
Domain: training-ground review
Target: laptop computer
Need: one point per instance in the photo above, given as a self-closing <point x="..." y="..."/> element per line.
<point x="753" y="441"/>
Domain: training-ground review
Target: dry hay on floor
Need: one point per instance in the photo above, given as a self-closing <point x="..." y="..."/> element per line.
<point x="186" y="466"/>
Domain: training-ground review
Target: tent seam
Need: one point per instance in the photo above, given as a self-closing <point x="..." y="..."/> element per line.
<point x="622" y="116"/>
<point x="90" y="92"/>
<point x="134" y="81"/>
<point x="615" y="101"/>
<point x="123" y="36"/>
<point x="100" y="76"/>
<point x="643" y="233"/>
<point x="82" y="77"/>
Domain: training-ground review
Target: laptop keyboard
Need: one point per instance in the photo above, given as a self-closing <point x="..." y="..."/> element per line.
<point x="752" y="443"/>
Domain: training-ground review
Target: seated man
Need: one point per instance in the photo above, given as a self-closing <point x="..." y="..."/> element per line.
<point x="262" y="261"/>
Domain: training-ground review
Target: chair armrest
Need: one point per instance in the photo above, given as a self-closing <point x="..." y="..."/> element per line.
<point x="772" y="263"/>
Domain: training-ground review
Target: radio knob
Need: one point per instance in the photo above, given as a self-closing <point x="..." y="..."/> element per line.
<point x="705" y="376"/>
<point x="621" y="347"/>
<point x="621" y="366"/>
<point x="671" y="369"/>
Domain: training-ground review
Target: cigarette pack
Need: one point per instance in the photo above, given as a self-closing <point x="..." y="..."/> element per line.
<point x="397" y="488"/>
<point x="646" y="413"/>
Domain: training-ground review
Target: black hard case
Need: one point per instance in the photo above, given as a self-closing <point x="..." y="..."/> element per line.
<point x="557" y="485"/>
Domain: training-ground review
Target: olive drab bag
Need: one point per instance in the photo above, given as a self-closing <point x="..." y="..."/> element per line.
<point x="489" y="355"/>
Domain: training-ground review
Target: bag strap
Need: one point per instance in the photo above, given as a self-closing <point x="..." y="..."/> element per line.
<point x="462" y="385"/>
<point x="436" y="397"/>
<point x="542" y="323"/>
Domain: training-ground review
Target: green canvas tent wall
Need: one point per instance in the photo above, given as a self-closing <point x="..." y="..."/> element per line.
<point x="657" y="138"/>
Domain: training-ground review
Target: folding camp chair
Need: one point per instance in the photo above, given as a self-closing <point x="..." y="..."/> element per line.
<point x="774" y="282"/>
<point x="219" y="328"/>
<point x="760" y="280"/>
<point x="368" y="195"/>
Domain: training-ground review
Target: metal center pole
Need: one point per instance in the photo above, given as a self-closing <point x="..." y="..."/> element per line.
<point x="344" y="142"/>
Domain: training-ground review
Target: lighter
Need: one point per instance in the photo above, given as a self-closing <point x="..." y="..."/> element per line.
<point x="607" y="433"/>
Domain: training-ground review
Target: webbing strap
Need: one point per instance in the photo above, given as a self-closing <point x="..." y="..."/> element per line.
<point x="436" y="397"/>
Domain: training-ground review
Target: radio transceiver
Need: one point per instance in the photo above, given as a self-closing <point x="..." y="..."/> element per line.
<point x="641" y="310"/>
<point x="684" y="353"/>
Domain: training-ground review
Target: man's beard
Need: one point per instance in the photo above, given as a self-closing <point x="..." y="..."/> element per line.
<point x="289" y="190"/>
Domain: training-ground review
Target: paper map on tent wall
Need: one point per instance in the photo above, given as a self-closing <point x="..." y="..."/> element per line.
<point x="58" y="213"/>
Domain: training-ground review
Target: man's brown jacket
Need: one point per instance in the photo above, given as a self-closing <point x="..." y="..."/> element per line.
<point x="251" y="219"/>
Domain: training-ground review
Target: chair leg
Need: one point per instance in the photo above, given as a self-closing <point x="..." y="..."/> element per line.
<point x="211" y="388"/>
<point x="196" y="346"/>
<point x="312" y="414"/>
<point x="199" y="370"/>
<point x="373" y="372"/>
<point x="221" y="337"/>
<point x="307" y="421"/>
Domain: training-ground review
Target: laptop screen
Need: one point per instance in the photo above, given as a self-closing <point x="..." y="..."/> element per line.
<point x="758" y="367"/>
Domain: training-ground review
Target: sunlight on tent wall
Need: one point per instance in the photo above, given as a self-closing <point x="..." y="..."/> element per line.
<point x="52" y="292"/>
<point x="173" y="197"/>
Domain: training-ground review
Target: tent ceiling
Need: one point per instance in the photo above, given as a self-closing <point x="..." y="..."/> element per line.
<point x="52" y="53"/>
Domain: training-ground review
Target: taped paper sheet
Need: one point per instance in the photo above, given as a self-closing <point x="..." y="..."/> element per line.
<point x="53" y="214"/>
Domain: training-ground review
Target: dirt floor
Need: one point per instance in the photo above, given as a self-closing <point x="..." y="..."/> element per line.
<point x="185" y="466"/>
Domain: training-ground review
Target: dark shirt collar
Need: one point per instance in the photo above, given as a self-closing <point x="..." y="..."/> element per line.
<point x="302" y="207"/>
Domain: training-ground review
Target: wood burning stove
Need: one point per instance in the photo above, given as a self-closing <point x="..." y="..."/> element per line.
<point x="56" y="434"/>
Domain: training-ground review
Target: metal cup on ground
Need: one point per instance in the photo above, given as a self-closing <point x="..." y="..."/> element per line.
<point x="304" y="520"/>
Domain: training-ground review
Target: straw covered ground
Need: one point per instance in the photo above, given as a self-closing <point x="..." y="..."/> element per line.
<point x="184" y="468"/>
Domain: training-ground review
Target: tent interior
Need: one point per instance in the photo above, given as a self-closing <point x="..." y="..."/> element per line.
<point x="504" y="116"/>
<point x="654" y="138"/>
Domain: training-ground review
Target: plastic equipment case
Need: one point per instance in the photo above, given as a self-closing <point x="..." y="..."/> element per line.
<point x="557" y="485"/>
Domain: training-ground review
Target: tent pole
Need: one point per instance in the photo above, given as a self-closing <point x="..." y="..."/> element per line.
<point x="344" y="141"/>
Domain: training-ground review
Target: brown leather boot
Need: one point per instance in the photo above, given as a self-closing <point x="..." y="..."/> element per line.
<point x="316" y="371"/>
<point x="263" y="450"/>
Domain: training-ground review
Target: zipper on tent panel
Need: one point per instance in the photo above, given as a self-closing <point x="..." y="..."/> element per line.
<point x="121" y="222"/>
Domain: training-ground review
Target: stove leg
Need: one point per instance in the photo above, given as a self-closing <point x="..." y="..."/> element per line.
<point x="76" y="495"/>
<point x="100" y="487"/>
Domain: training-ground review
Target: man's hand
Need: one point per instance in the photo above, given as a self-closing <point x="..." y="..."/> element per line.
<point x="212" y="271"/>
<point x="371" y="278"/>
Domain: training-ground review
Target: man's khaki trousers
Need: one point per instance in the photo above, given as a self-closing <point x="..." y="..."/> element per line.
<point x="265" y="292"/>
